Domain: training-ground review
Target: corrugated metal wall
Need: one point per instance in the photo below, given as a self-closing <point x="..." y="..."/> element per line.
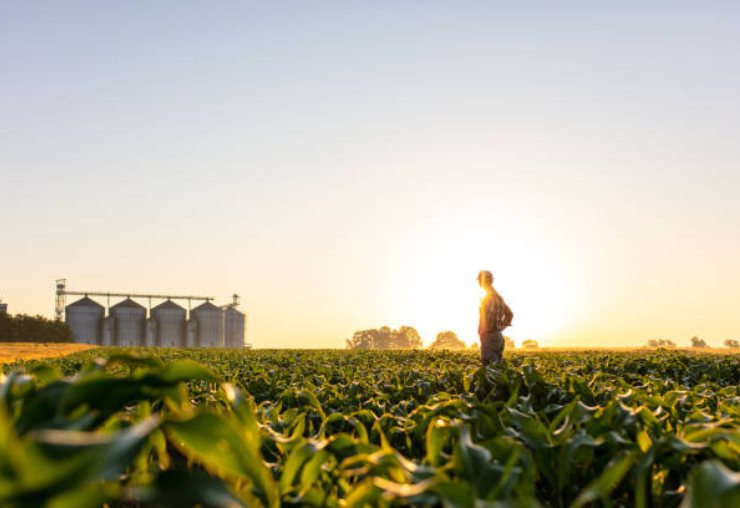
<point x="233" y="328"/>
<point x="85" y="319"/>
<point x="209" y="319"/>
<point x="130" y="318"/>
<point x="170" y="319"/>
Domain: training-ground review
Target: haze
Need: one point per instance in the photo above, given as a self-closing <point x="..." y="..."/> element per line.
<point x="347" y="165"/>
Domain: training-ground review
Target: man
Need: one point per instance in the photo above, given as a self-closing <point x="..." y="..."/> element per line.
<point x="495" y="316"/>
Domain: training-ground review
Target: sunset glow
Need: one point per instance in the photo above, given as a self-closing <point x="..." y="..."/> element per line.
<point x="342" y="180"/>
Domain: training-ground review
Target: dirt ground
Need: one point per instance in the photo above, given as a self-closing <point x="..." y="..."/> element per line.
<point x="10" y="351"/>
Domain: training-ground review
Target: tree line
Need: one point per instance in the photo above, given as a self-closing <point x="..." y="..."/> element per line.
<point x="406" y="337"/>
<point x="695" y="342"/>
<point x="24" y="328"/>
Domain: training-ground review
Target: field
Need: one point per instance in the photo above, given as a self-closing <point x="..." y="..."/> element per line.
<point x="395" y="428"/>
<point x="12" y="351"/>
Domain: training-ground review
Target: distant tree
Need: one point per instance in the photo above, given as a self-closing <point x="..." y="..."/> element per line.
<point x="661" y="343"/>
<point x="475" y="345"/>
<point x="698" y="343"/>
<point x="447" y="340"/>
<point x="509" y="343"/>
<point x="23" y="328"/>
<point x="406" y="337"/>
<point x="732" y="343"/>
<point x="383" y="339"/>
<point x="530" y="344"/>
<point x="364" y="339"/>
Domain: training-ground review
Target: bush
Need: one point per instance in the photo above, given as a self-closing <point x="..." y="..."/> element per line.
<point x="23" y="328"/>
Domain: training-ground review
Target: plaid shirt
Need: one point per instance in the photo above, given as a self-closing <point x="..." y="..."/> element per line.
<point x="495" y="315"/>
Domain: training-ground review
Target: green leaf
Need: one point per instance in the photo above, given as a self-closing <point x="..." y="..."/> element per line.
<point x="177" y="372"/>
<point x="605" y="484"/>
<point x="712" y="485"/>
<point x="177" y="488"/>
<point x="215" y="442"/>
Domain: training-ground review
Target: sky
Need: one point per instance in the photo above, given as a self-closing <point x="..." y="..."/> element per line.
<point x="348" y="165"/>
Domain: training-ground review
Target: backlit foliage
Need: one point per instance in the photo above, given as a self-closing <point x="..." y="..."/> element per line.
<point x="368" y="428"/>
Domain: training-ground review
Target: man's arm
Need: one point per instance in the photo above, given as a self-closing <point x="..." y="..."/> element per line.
<point x="508" y="315"/>
<point x="482" y="315"/>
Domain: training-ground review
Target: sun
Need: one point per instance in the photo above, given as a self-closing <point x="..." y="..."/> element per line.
<point x="536" y="289"/>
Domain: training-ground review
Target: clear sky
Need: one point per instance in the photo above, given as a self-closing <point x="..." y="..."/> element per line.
<point x="345" y="165"/>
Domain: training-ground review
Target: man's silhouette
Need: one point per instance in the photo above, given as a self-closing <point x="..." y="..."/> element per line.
<point x="495" y="316"/>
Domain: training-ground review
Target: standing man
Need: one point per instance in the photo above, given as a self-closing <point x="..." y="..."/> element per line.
<point x="495" y="316"/>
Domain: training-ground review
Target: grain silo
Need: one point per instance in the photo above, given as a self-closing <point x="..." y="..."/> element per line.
<point x="130" y="320"/>
<point x="85" y="319"/>
<point x="233" y="328"/>
<point x="209" y="319"/>
<point x="170" y="319"/>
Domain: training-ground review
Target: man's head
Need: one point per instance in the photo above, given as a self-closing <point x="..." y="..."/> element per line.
<point x="485" y="279"/>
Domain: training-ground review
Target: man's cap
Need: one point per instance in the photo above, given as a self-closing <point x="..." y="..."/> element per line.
<point x="485" y="275"/>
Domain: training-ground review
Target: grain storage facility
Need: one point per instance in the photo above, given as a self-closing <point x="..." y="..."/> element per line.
<point x="209" y="330"/>
<point x="130" y="327"/>
<point x="168" y="325"/>
<point x="170" y="319"/>
<point x="85" y="319"/>
<point x="233" y="328"/>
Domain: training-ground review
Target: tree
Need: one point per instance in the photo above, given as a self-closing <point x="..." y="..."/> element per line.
<point x="509" y="343"/>
<point x="364" y="339"/>
<point x="475" y="346"/>
<point x="406" y="337"/>
<point x="732" y="343"/>
<point x="23" y="328"/>
<point x="698" y="343"/>
<point x="447" y="340"/>
<point x="530" y="344"/>
<point x="661" y="343"/>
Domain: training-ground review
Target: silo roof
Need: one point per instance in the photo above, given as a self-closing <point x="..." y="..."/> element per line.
<point x="128" y="303"/>
<point x="169" y="304"/>
<point x="234" y="311"/>
<point x="85" y="302"/>
<point x="205" y="306"/>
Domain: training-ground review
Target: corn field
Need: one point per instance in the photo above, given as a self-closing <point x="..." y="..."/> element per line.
<point x="221" y="428"/>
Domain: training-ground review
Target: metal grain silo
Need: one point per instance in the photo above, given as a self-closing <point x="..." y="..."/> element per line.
<point x="130" y="320"/>
<point x="85" y="318"/>
<point x="209" y="319"/>
<point x="170" y="319"/>
<point x="233" y="328"/>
